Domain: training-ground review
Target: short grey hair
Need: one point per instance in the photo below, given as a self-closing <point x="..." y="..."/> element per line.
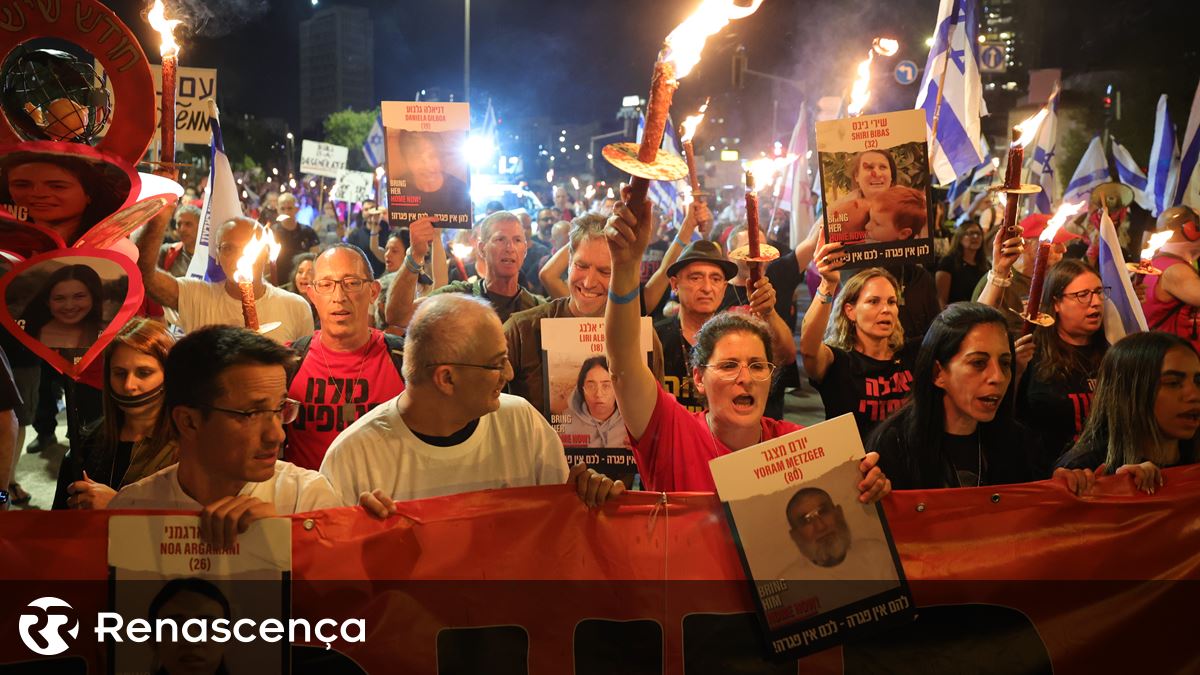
<point x="443" y="328"/>
<point x="188" y="209"/>
<point x="587" y="227"/>
<point x="488" y="224"/>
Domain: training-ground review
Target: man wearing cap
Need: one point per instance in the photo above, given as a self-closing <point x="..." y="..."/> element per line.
<point x="700" y="277"/>
<point x="1172" y="301"/>
<point x="1006" y="286"/>
<point x="588" y="275"/>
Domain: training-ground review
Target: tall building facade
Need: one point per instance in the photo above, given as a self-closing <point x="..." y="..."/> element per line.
<point x="337" y="69"/>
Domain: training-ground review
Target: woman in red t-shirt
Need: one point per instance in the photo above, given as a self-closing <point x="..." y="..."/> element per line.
<point x="731" y="366"/>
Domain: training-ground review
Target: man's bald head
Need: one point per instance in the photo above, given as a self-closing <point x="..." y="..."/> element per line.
<point x="445" y="328"/>
<point x="340" y="250"/>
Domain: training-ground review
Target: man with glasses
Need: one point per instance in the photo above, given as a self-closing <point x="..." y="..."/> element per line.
<point x="226" y="398"/>
<point x="502" y="246"/>
<point x="452" y="430"/>
<point x="208" y="303"/>
<point x="346" y="368"/>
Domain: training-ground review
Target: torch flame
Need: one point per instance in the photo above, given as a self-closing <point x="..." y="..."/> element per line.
<point x="860" y="91"/>
<point x="550" y="176"/>
<point x="885" y="46"/>
<point x="250" y="254"/>
<point x="609" y="194"/>
<point x="684" y="44"/>
<point x="1155" y="243"/>
<point x="461" y="251"/>
<point x="692" y="123"/>
<point x="766" y="169"/>
<point x="1029" y="128"/>
<point x="589" y="192"/>
<point x="1060" y="218"/>
<point x="165" y="27"/>
<point x="575" y="183"/>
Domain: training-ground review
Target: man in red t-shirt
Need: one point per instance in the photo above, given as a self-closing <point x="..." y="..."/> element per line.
<point x="348" y="367"/>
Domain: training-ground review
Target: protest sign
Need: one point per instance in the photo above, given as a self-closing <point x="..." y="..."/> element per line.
<point x="822" y="564"/>
<point x="426" y="165"/>
<point x="875" y="187"/>
<point x="353" y="186"/>
<point x="578" y="391"/>
<point x="192" y="87"/>
<point x="322" y="159"/>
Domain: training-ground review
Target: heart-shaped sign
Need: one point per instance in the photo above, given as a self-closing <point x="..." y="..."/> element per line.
<point x="67" y="305"/>
<point x="157" y="193"/>
<point x="26" y="238"/>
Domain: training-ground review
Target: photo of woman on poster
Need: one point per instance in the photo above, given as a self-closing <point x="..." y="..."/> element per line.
<point x="593" y="408"/>
<point x="431" y="174"/>
<point x="871" y="172"/>
<point x="68" y="311"/>
<point x="182" y="600"/>
<point x="65" y="193"/>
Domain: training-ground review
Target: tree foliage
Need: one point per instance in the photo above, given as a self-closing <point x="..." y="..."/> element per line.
<point x="350" y="128"/>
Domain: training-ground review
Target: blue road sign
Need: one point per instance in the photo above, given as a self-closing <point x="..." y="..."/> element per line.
<point x="906" y="72"/>
<point x="992" y="58"/>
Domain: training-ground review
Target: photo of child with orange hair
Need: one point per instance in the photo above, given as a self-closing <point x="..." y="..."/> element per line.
<point x="897" y="213"/>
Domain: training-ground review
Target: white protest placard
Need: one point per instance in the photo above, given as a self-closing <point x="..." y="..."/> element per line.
<point x="322" y="159"/>
<point x="822" y="565"/>
<point x="192" y="87"/>
<point x="353" y="186"/>
<point x="427" y="169"/>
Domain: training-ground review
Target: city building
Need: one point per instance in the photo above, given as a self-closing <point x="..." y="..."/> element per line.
<point x="336" y="64"/>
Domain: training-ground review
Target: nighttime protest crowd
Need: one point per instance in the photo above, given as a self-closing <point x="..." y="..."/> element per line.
<point x="293" y="352"/>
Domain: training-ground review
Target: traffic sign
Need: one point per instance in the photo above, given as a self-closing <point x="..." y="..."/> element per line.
<point x="906" y="72"/>
<point x="993" y="57"/>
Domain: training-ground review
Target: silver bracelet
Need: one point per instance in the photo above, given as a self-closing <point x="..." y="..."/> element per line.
<point x="998" y="282"/>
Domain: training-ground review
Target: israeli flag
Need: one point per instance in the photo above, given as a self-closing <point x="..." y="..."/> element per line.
<point x="373" y="147"/>
<point x="1040" y="161"/>
<point x="221" y="204"/>
<point x="1122" y="309"/>
<point x="665" y="194"/>
<point x="1164" y="160"/>
<point x="1132" y="175"/>
<point x="1092" y="171"/>
<point x="1188" y="192"/>
<point x="955" y="52"/>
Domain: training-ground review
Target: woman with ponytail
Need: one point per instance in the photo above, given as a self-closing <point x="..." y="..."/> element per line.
<point x="133" y="439"/>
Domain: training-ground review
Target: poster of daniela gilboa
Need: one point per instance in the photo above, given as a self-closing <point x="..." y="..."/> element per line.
<point x="426" y="162"/>
<point x="875" y="187"/>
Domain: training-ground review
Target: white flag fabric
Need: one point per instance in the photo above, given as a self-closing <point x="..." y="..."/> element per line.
<point x="1132" y="175"/>
<point x="1092" y="171"/>
<point x="221" y="204"/>
<point x="667" y="194"/>
<point x="1164" y="160"/>
<point x="955" y="50"/>
<point x="1040" y="161"/>
<point x="1188" y="192"/>
<point x="1122" y="309"/>
<point x="797" y="184"/>
<point x="373" y="147"/>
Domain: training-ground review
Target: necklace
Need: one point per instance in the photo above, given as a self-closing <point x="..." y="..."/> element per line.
<point x="348" y="409"/>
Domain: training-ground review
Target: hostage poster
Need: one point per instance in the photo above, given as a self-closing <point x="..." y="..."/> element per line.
<point x="822" y="565"/>
<point x="875" y="187"/>
<point x="160" y="569"/>
<point x="578" y="390"/>
<point x="426" y="162"/>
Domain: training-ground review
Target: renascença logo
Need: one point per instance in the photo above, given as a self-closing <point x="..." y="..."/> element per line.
<point x="42" y="626"/>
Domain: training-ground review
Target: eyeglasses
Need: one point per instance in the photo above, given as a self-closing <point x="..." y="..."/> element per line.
<point x="596" y="387"/>
<point x="495" y="367"/>
<point x="287" y="411"/>
<point x="812" y="516"/>
<point x="1085" y="297"/>
<point x="729" y="370"/>
<point x="348" y="284"/>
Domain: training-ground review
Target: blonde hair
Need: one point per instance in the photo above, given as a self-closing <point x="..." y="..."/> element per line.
<point x="840" y="332"/>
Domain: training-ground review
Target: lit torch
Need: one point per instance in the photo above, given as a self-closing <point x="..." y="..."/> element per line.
<point x="756" y="254"/>
<point x="170" y="57"/>
<point x="1033" y="315"/>
<point x="1023" y="134"/>
<point x="680" y="53"/>
<point x="244" y="276"/>
<point x="860" y="91"/>
<point x="687" y="131"/>
<point x="1146" y="266"/>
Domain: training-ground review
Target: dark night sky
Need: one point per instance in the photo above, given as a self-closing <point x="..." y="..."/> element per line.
<point x="572" y="61"/>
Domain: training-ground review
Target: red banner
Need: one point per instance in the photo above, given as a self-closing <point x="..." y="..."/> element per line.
<point x="1012" y="579"/>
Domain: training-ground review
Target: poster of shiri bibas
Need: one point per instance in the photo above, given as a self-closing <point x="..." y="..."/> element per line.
<point x="427" y="167"/>
<point x="578" y="390"/>
<point x="822" y="565"/>
<point x="875" y="188"/>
